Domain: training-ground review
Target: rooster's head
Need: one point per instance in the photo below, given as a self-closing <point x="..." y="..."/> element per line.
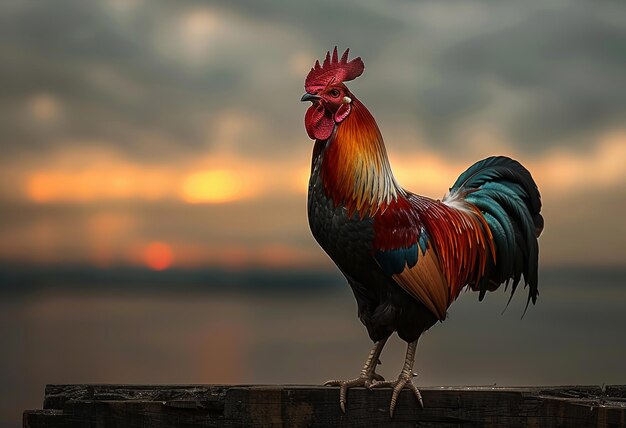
<point x="330" y="97"/>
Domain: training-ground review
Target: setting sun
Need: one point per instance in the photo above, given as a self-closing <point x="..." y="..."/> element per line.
<point x="158" y="256"/>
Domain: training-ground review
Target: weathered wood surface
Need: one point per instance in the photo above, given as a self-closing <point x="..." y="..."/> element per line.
<point x="173" y="406"/>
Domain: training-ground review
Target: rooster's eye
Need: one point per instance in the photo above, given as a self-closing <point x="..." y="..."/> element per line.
<point x="334" y="93"/>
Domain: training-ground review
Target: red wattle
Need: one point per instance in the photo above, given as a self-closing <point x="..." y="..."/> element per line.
<point x="319" y="122"/>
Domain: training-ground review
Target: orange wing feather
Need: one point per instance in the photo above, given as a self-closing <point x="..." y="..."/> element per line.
<point x="461" y="238"/>
<point x="426" y="282"/>
<point x="455" y="244"/>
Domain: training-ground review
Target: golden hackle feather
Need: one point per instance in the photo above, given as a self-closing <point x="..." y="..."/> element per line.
<point x="356" y="170"/>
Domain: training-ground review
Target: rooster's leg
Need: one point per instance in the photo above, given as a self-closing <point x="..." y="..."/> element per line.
<point x="366" y="378"/>
<point x="404" y="380"/>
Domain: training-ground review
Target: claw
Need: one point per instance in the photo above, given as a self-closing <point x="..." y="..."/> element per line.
<point x="367" y="376"/>
<point x="345" y="384"/>
<point x="398" y="385"/>
<point x="417" y="394"/>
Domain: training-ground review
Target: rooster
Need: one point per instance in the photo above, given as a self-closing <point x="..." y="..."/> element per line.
<point x="407" y="257"/>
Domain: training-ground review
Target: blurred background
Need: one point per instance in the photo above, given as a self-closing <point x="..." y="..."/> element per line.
<point x="153" y="176"/>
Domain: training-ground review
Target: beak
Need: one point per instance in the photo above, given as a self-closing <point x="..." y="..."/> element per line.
<point x="310" y="97"/>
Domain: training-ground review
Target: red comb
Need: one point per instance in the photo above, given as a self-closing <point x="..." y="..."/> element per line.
<point x="333" y="69"/>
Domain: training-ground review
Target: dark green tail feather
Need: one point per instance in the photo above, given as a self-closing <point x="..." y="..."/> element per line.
<point x="508" y="197"/>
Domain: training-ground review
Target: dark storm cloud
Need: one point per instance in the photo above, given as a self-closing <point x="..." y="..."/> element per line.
<point x="105" y="75"/>
<point x="326" y="22"/>
<point x="542" y="73"/>
<point x="568" y="61"/>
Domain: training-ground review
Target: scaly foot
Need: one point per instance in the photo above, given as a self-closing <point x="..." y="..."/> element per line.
<point x="363" y="380"/>
<point x="366" y="378"/>
<point x="404" y="380"/>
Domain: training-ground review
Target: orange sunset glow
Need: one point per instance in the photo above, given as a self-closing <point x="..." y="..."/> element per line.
<point x="214" y="186"/>
<point x="560" y="173"/>
<point x="101" y="181"/>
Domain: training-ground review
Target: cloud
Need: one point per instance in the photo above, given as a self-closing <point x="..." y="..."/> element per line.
<point x="564" y="64"/>
<point x="120" y="102"/>
<point x="131" y="71"/>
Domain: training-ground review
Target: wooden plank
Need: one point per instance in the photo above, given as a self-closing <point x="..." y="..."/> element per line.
<point x="132" y="406"/>
<point x="210" y="395"/>
<point x="616" y="391"/>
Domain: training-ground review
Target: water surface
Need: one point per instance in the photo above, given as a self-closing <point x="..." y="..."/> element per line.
<point x="575" y="335"/>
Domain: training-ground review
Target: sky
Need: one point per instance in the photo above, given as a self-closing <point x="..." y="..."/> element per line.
<point x="170" y="134"/>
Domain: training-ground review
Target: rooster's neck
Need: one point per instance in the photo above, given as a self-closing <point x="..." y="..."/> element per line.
<point x="355" y="168"/>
